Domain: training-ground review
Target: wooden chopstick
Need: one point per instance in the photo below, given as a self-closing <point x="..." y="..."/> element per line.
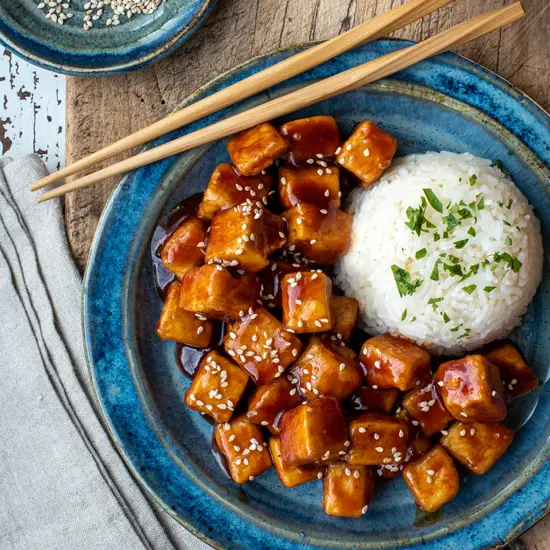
<point x="374" y="28"/>
<point x="324" y="89"/>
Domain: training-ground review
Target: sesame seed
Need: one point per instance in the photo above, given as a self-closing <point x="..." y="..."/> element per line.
<point x="444" y="432"/>
<point x="320" y="172"/>
<point x="365" y="508"/>
<point x="462" y="433"/>
<point x="348" y="147"/>
<point x="376" y="436"/>
<point x="342" y="366"/>
<point x="366" y="152"/>
<point x="379" y="449"/>
<point x="319" y="475"/>
<point x="362" y="430"/>
<point x="430" y="472"/>
<point x="356" y="474"/>
<point x="337" y="150"/>
<point x="347" y="471"/>
<point x="472" y="431"/>
<point x="429" y="479"/>
<point x="401" y="433"/>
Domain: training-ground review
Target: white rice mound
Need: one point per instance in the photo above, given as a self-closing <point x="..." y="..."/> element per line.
<point x="381" y="240"/>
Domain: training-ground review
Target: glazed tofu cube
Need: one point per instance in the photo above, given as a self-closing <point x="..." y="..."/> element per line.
<point x="517" y="378"/>
<point x="344" y="315"/>
<point x="477" y="446"/>
<point x="377" y="439"/>
<point x="217" y="387"/>
<point x="306" y="302"/>
<point x="214" y="293"/>
<point x="324" y="369"/>
<point x="228" y="188"/>
<point x="244" y="448"/>
<point x="322" y="238"/>
<point x="347" y="490"/>
<point x="272" y="277"/>
<point x="426" y="407"/>
<point x="471" y="389"/>
<point x="184" y="249"/>
<point x="268" y="402"/>
<point x="240" y="236"/>
<point x="291" y="476"/>
<point x="392" y="362"/>
<point x="178" y="325"/>
<point x="315" y="431"/>
<point x="254" y="150"/>
<point x="432" y="479"/>
<point x="261" y="346"/>
<point x="312" y="138"/>
<point x="368" y="152"/>
<point x="311" y="184"/>
<point x="368" y="399"/>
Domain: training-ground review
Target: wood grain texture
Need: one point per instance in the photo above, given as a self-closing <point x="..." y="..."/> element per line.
<point x="101" y="110"/>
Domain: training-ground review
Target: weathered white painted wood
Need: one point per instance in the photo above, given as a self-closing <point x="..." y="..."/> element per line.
<point x="32" y="111"/>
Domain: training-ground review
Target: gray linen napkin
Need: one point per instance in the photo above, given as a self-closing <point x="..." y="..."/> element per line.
<point x="63" y="485"/>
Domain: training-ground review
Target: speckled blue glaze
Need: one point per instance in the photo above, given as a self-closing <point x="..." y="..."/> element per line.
<point x="444" y="103"/>
<point x="68" y="48"/>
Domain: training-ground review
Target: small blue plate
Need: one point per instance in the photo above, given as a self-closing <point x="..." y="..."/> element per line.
<point x="102" y="50"/>
<point x="446" y="103"/>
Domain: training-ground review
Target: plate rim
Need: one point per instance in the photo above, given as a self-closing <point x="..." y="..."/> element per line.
<point x="514" y="530"/>
<point x="23" y="51"/>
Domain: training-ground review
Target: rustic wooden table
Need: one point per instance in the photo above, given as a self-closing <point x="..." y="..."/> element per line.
<point x="104" y="109"/>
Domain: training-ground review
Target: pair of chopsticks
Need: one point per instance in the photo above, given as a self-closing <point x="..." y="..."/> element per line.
<point x="329" y="87"/>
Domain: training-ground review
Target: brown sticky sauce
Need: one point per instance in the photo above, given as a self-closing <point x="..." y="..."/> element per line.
<point x="426" y="519"/>
<point x="188" y="358"/>
<point x="219" y="456"/>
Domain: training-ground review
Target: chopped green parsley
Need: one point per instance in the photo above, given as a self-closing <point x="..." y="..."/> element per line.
<point x="405" y="286"/>
<point x="434" y="301"/>
<point x="469" y="289"/>
<point x="433" y="200"/>
<point x="461" y="244"/>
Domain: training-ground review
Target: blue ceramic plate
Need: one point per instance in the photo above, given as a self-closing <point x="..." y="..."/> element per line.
<point x="445" y="103"/>
<point x="71" y="49"/>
